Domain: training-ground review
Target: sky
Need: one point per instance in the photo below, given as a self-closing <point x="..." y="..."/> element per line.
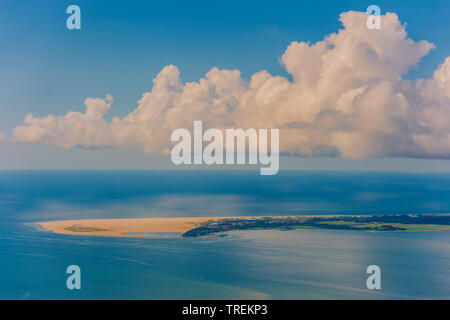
<point x="46" y="69"/>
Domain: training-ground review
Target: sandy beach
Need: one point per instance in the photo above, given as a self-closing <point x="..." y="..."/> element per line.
<point x="122" y="227"/>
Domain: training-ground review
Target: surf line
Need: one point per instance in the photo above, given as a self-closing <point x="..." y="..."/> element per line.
<point x="235" y="143"/>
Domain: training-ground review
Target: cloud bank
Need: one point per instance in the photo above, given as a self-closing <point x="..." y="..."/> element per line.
<point x="347" y="97"/>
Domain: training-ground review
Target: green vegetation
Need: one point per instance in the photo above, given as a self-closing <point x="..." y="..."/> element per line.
<point x="373" y="223"/>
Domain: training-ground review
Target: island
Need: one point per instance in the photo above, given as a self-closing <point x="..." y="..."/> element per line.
<point x="218" y="226"/>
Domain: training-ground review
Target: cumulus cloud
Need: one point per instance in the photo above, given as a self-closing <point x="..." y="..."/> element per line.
<point x="347" y="97"/>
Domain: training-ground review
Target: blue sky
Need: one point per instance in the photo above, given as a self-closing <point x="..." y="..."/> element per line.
<point x="47" y="69"/>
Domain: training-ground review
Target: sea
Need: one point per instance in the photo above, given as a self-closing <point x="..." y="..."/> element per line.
<point x="259" y="264"/>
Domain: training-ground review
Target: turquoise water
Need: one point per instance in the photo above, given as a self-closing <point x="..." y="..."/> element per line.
<point x="301" y="264"/>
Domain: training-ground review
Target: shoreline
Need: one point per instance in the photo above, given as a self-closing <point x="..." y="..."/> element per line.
<point x="201" y="226"/>
<point x="122" y="227"/>
<point x="125" y="227"/>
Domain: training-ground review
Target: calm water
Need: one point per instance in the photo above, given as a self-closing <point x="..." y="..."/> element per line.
<point x="310" y="264"/>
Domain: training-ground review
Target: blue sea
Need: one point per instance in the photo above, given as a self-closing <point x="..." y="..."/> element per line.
<point x="266" y="264"/>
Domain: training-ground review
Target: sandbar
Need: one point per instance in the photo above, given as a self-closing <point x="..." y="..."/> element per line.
<point x="123" y="227"/>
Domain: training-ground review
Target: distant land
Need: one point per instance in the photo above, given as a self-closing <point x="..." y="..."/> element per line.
<point x="216" y="226"/>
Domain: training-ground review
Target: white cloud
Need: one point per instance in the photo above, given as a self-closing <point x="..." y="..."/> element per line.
<point x="347" y="97"/>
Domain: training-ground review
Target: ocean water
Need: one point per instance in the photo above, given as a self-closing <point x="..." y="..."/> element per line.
<point x="301" y="264"/>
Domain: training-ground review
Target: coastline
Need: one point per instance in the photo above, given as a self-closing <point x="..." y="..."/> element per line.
<point x="201" y="226"/>
<point x="123" y="227"/>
